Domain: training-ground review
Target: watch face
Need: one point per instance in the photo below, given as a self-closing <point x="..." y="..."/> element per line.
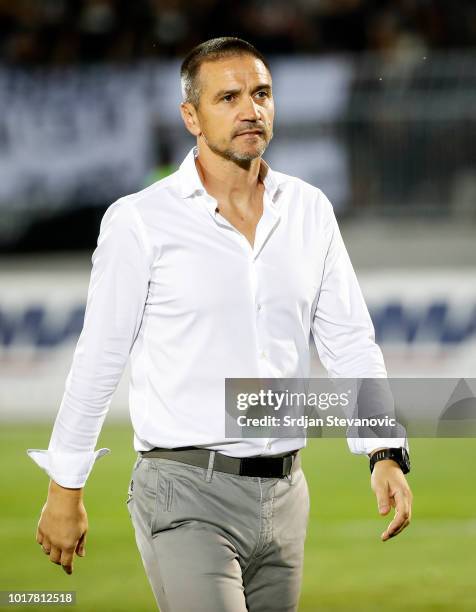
<point x="404" y="459"/>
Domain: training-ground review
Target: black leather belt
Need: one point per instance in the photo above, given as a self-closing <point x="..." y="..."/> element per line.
<point x="264" y="467"/>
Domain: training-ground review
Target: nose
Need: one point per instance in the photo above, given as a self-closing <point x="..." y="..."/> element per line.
<point x="249" y="110"/>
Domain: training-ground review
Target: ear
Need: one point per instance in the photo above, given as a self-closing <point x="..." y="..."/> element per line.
<point x="190" y="118"/>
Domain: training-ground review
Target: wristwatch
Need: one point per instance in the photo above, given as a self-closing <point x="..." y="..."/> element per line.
<point x="400" y="455"/>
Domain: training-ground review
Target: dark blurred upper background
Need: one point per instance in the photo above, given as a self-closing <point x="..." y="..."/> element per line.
<point x="64" y="32"/>
<point x="375" y="104"/>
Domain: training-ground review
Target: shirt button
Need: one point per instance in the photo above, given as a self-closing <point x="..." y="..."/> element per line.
<point x="268" y="445"/>
<point x="263" y="355"/>
<point x="258" y="307"/>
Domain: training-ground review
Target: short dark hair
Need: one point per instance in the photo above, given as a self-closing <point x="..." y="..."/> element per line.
<point x="209" y="51"/>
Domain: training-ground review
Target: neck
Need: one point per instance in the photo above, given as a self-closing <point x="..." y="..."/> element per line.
<point x="228" y="181"/>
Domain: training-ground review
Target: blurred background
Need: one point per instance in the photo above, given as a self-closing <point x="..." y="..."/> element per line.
<point x="376" y="105"/>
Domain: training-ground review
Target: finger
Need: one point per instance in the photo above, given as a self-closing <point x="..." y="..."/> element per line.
<point x="403" y="505"/>
<point x="404" y="526"/>
<point x="383" y="500"/>
<point x="39" y="536"/>
<point x="402" y="515"/>
<point x="80" y="548"/>
<point x="386" y="535"/>
<point x="46" y="546"/>
<point x="67" y="560"/>
<point x="397" y="524"/>
<point x="55" y="555"/>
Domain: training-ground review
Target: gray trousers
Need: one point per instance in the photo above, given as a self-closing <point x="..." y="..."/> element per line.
<point x="216" y="542"/>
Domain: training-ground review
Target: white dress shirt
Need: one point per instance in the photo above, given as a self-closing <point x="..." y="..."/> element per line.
<point x="179" y="289"/>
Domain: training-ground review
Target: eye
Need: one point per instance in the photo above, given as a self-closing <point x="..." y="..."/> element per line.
<point x="228" y="97"/>
<point x="262" y="93"/>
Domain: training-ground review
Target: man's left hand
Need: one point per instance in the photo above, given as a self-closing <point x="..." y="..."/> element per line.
<point x="392" y="490"/>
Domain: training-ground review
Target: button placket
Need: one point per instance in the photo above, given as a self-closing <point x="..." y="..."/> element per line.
<point x="258" y="306"/>
<point x="268" y="221"/>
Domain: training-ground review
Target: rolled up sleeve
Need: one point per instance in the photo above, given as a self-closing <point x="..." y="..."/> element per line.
<point x="342" y="328"/>
<point x="116" y="300"/>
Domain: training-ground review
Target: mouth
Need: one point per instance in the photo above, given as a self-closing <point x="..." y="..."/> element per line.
<point x="251" y="133"/>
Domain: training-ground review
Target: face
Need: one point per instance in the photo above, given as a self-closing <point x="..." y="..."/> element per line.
<point x="236" y="109"/>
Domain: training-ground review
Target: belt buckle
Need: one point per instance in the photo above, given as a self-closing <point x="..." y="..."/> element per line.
<point x="245" y="465"/>
<point x="269" y="468"/>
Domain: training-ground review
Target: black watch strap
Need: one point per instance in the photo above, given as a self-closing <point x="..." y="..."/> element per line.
<point x="400" y="455"/>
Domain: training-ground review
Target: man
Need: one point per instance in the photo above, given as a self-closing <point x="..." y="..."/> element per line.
<point x="220" y="270"/>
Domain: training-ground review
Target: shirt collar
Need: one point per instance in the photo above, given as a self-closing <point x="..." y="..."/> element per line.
<point x="190" y="182"/>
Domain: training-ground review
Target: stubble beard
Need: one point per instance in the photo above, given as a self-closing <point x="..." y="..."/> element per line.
<point x="240" y="157"/>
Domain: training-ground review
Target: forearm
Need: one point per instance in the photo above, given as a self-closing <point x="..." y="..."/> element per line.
<point x="116" y="299"/>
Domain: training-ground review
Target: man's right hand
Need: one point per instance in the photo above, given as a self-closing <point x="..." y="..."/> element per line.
<point x="63" y="525"/>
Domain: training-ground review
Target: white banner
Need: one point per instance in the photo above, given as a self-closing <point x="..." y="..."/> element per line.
<point x="425" y="323"/>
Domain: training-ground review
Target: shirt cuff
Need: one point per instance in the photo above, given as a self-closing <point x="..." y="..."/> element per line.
<point x="69" y="470"/>
<point x="364" y="446"/>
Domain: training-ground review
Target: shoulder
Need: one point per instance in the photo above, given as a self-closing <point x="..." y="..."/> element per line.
<point x="155" y="195"/>
<point x="136" y="207"/>
<point x="163" y="188"/>
<point x="129" y="219"/>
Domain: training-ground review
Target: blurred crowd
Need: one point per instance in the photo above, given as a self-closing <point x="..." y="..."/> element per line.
<point x="61" y="32"/>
